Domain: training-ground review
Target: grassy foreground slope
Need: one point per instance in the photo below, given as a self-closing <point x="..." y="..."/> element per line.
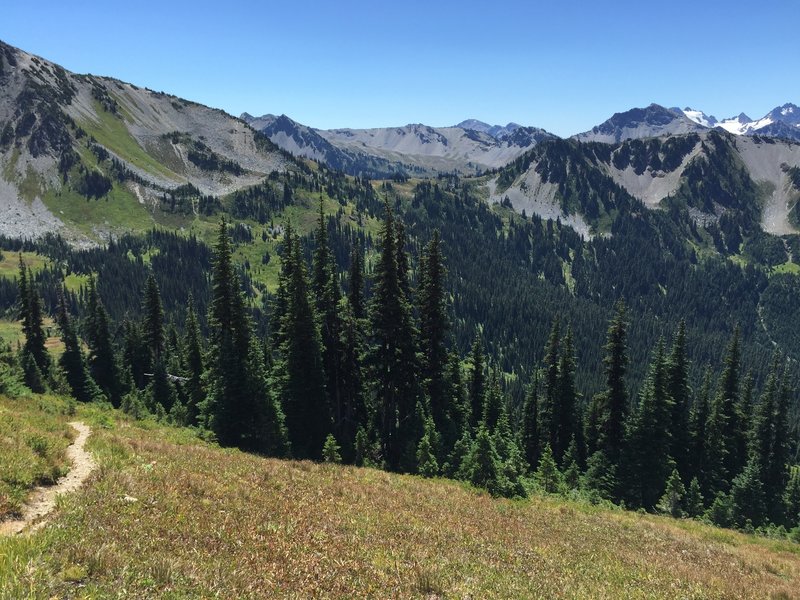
<point x="169" y="516"/>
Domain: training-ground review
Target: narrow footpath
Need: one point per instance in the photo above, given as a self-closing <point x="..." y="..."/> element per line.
<point x="42" y="500"/>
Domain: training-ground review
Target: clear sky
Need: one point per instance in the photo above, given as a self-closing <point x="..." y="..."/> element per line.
<point x="565" y="65"/>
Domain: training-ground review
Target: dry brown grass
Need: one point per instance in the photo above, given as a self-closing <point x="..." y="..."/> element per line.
<point x="171" y="518"/>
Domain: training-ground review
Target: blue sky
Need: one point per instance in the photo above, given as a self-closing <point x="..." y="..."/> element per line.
<point x="564" y="65"/>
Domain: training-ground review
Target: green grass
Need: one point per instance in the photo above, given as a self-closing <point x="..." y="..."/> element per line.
<point x="9" y="263"/>
<point x="119" y="212"/>
<point x="787" y="267"/>
<point x="33" y="440"/>
<point x="169" y="516"/>
<point x="112" y="133"/>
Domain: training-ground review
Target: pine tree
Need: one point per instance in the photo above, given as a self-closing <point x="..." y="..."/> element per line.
<point x="549" y="409"/>
<point x="31" y="312"/>
<point x="299" y="373"/>
<point x="566" y="406"/>
<point x="352" y="380"/>
<point x="530" y="426"/>
<point x="427" y="465"/>
<point x="326" y="293"/>
<point x="615" y="398"/>
<point x="725" y="417"/>
<point x="72" y="361"/>
<point x="547" y="476"/>
<point x="330" y="450"/>
<point x="434" y="327"/>
<point x="648" y="463"/>
<point x="572" y="470"/>
<point x="238" y="407"/>
<point x="102" y="357"/>
<point x="481" y="466"/>
<point x="747" y="496"/>
<point x="477" y="383"/>
<point x="494" y="403"/>
<point x="791" y="500"/>
<point x="698" y="419"/>
<point x="153" y="320"/>
<point x="194" y="365"/>
<point x="674" y="492"/>
<point x="392" y="353"/>
<point x="356" y="283"/>
<point x="601" y="476"/>
<point x="680" y="392"/>
<point x="693" y="502"/>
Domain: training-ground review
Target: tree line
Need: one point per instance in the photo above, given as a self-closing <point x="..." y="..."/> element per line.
<point x="377" y="379"/>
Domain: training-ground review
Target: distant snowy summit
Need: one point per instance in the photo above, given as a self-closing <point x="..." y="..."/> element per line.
<point x="782" y="121"/>
<point x="656" y="120"/>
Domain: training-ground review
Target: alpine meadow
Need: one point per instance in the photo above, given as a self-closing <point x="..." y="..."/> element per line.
<point x="244" y="357"/>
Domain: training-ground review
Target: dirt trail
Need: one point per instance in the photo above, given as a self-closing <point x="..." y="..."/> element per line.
<point x="42" y="500"/>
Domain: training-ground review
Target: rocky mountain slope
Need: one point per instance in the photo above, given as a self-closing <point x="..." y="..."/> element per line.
<point x="68" y="139"/>
<point x="469" y="147"/>
<point x="708" y="173"/>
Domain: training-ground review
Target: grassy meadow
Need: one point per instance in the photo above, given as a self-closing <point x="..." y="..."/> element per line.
<point x="167" y="515"/>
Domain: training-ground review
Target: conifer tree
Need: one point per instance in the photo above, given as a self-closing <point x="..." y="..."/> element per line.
<point x="698" y="420"/>
<point x="434" y="326"/>
<point x="194" y="365"/>
<point x="547" y="476"/>
<point x="549" y="409"/>
<point x="674" y="492"/>
<point x="481" y="466"/>
<point x="693" y="502"/>
<point x="102" y="357"/>
<point x="392" y="352"/>
<point x="747" y="496"/>
<point x="153" y="320"/>
<point x="477" y="383"/>
<point x="614" y="400"/>
<point x="299" y="372"/>
<point x="678" y="389"/>
<point x="567" y="398"/>
<point x="238" y="407"/>
<point x="427" y="465"/>
<point x="791" y="500"/>
<point x="530" y="426"/>
<point x="352" y="380"/>
<point x="72" y="361"/>
<point x="725" y="415"/>
<point x="648" y="463"/>
<point x="326" y="294"/>
<point x="494" y="403"/>
<point x="572" y="470"/>
<point x="356" y="282"/>
<point x="31" y="312"/>
<point x="330" y="450"/>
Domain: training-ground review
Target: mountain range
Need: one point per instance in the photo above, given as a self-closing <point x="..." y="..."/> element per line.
<point x="66" y="138"/>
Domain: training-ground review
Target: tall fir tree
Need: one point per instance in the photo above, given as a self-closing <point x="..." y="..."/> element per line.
<point x="679" y="391"/>
<point x="648" y="440"/>
<point x="355" y="293"/>
<point x="194" y="365"/>
<point x="72" y="360"/>
<point x="237" y="407"/>
<point x="299" y="372"/>
<point x="530" y="425"/>
<point x="102" y="356"/>
<point x="326" y="294"/>
<point x="392" y="353"/>
<point x="32" y="314"/>
<point x="477" y="382"/>
<point x="566" y="415"/>
<point x="434" y="327"/>
<point x="153" y="319"/>
<point x="724" y="412"/>
<point x="549" y="409"/>
<point x="698" y="420"/>
<point x="614" y="401"/>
